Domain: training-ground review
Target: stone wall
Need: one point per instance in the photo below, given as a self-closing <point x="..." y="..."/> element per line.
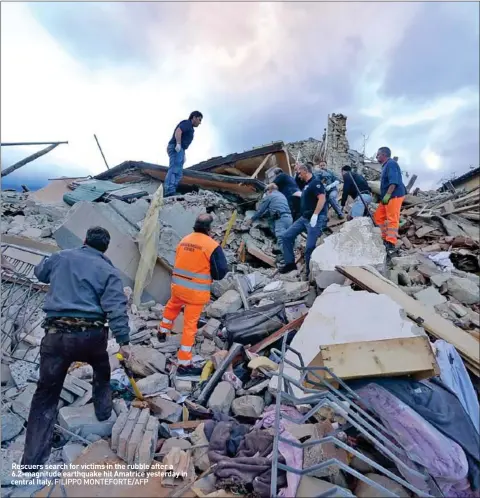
<point x="337" y="143"/>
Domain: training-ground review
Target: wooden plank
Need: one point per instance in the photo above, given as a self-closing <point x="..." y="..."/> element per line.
<point x="388" y="357"/>
<point x="435" y="324"/>
<point x="234" y="172"/>
<point x="188" y="424"/>
<point x="262" y="164"/>
<point x="287" y="155"/>
<point x="466" y="208"/>
<point x="278" y="334"/>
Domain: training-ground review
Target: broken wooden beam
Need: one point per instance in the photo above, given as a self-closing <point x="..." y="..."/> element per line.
<point x="411" y="182"/>
<point x="28" y="159"/>
<point x="262" y="164"/>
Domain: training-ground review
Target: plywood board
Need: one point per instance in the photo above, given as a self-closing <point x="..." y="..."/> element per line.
<point x="435" y="324"/>
<point x="388" y="357"/>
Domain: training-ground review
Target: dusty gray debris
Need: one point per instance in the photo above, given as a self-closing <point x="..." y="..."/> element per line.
<point x="174" y="442"/>
<point x="9" y="457"/>
<point x="119" y="406"/>
<point x="71" y="451"/>
<point x="248" y="406"/>
<point x="183" y="386"/>
<point x="219" y="287"/>
<point x="222" y="397"/>
<point x="364" y="490"/>
<point x="153" y="383"/>
<point x="200" y="455"/>
<point x="440" y="278"/>
<point x="23" y="372"/>
<point x="21" y="405"/>
<point x="166" y="410"/>
<point x="430" y="296"/>
<point x="464" y="290"/>
<point x="83" y="418"/>
<point x="228" y="303"/>
<point x="406" y="262"/>
<point x="207" y="348"/>
<point x="147" y="361"/>
<point x="12" y="425"/>
<point x="210" y="329"/>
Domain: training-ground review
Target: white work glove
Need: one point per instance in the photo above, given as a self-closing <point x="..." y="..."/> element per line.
<point x="178" y="148"/>
<point x="332" y="185"/>
<point x="313" y="220"/>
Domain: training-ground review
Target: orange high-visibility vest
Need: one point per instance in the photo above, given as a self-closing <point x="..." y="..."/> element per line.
<point x="191" y="278"/>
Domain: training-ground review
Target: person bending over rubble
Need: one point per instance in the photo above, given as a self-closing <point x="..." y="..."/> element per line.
<point x="331" y="183"/>
<point x="313" y="219"/>
<point x="85" y="289"/>
<point x="275" y="206"/>
<point x="181" y="139"/>
<point x="349" y="189"/>
<point x="289" y="188"/>
<point x="392" y="192"/>
<point x="198" y="260"/>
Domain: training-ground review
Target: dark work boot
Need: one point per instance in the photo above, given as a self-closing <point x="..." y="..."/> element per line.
<point x="287" y="268"/>
<point x="187" y="370"/>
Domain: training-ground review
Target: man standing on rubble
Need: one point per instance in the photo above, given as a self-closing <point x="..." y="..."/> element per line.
<point x="313" y="219"/>
<point x="331" y="183"/>
<point x="199" y="259"/>
<point x="181" y="139"/>
<point x="85" y="290"/>
<point x="275" y="206"/>
<point x="392" y="192"/>
<point x="289" y="188"/>
<point x="349" y="189"/>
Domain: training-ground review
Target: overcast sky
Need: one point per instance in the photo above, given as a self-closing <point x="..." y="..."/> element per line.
<point x="406" y="74"/>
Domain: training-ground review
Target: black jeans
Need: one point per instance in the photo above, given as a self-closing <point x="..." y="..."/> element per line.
<point x="57" y="352"/>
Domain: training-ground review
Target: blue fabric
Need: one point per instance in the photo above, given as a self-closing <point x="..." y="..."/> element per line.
<point x="327" y="176"/>
<point x="286" y="185"/>
<point x="455" y="376"/>
<point x="298" y="227"/>
<point x="85" y="284"/>
<point x="349" y="187"/>
<point x="310" y="193"/>
<point x="175" y="170"/>
<point x="272" y="204"/>
<point x="391" y="175"/>
<point x="332" y="198"/>
<point x="357" y="207"/>
<point x="218" y="264"/>
<point x="187" y="134"/>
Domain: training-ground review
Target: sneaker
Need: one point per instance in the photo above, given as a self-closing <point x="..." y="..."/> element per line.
<point x="188" y="370"/>
<point x="391" y="249"/>
<point x="287" y="268"/>
<point x="161" y="337"/>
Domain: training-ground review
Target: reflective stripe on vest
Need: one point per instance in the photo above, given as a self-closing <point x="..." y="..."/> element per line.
<point x="190" y="285"/>
<point x="186" y="348"/>
<point x="191" y="274"/>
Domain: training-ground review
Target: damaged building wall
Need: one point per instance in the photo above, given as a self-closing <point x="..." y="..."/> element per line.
<point x="337" y="143"/>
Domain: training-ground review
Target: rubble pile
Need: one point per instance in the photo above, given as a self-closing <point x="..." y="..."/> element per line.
<point x="325" y="349"/>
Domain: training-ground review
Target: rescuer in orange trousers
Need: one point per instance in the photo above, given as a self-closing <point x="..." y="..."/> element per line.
<point x="392" y="192"/>
<point x="198" y="261"/>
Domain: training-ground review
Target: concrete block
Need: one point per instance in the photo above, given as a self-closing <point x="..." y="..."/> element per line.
<point x="21" y="405"/>
<point x="228" y="303"/>
<point x="152" y="384"/>
<point x="440" y="278"/>
<point x="356" y="244"/>
<point x="71" y="451"/>
<point x="183" y="386"/>
<point x="117" y="429"/>
<point x="407" y="262"/>
<point x="148" y="446"/>
<point x="83" y="418"/>
<point x="464" y="290"/>
<point x="327" y="277"/>
<point x="165" y="410"/>
<point x="248" y="406"/>
<point x="312" y="486"/>
<point x="8" y="473"/>
<point x="430" y="296"/>
<point x="12" y="425"/>
<point x="222" y="397"/>
<point x="211" y="328"/>
<point x="119" y="406"/>
<point x="132" y="417"/>
<point x="364" y="490"/>
<point x="174" y="442"/>
<point x="146" y="361"/>
<point x="123" y="251"/>
<point x="137" y="435"/>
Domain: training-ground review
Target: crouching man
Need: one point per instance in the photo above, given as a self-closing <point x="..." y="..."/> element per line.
<point x="85" y="290"/>
<point x="199" y="259"/>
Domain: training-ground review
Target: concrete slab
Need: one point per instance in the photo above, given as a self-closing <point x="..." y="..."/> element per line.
<point x="357" y="244"/>
<point x="123" y="251"/>
<point x="137" y="435"/>
<point x="430" y="296"/>
<point x="83" y="418"/>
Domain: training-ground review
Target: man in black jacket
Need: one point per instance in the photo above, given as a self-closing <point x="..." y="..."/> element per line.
<point x="349" y="189"/>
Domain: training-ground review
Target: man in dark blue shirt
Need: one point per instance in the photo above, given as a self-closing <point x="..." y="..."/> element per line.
<point x="313" y="219"/>
<point x="349" y="189"/>
<point x="181" y="139"/>
<point x="289" y="188"/>
<point x="392" y="192"/>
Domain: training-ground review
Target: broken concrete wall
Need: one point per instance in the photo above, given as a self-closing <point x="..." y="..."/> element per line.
<point x="337" y="143"/>
<point x="123" y="251"/>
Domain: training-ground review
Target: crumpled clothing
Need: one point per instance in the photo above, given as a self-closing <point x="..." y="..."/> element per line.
<point x="454" y="375"/>
<point x="251" y="467"/>
<point x="442" y="458"/>
<point x="293" y="456"/>
<point x="233" y="380"/>
<point x="237" y="433"/>
<point x="442" y="259"/>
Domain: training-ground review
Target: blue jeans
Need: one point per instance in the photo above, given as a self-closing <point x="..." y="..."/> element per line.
<point x="298" y="227"/>
<point x="175" y="170"/>
<point x="332" y="197"/>
<point x="358" y="208"/>
<point x="281" y="226"/>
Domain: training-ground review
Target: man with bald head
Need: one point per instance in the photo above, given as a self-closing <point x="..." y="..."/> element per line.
<point x="198" y="261"/>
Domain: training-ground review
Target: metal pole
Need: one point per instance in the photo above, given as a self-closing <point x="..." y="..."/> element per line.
<point x="27" y="160"/>
<point x="6" y="144"/>
<point x="361" y="198"/>
<point x="101" y="151"/>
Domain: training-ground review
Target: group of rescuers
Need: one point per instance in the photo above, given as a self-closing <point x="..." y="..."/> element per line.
<point x="86" y="295"/>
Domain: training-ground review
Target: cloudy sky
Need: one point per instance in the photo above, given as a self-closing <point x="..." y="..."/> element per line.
<point x="406" y="74"/>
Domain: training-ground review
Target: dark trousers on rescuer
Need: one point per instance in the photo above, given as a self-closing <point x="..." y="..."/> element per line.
<point x="57" y="352"/>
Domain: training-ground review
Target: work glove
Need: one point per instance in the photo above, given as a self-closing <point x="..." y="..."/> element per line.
<point x="313" y="220"/>
<point x="125" y="351"/>
<point x="386" y="199"/>
<point x="178" y="148"/>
